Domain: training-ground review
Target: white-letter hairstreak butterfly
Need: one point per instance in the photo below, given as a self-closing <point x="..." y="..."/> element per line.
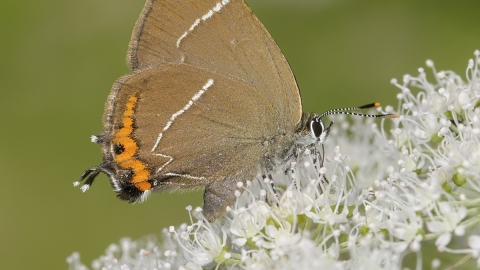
<point x="209" y="101"/>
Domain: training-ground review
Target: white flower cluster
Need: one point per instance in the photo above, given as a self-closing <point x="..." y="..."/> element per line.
<point x="417" y="179"/>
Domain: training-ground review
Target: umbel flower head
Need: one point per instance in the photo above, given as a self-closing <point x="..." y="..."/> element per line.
<point x="378" y="196"/>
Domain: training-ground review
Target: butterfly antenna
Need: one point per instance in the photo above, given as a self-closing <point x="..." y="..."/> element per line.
<point x="348" y="111"/>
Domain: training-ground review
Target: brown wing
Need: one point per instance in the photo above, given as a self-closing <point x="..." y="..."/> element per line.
<point x="223" y="37"/>
<point x="195" y="126"/>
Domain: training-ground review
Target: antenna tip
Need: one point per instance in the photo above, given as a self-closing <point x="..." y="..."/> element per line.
<point x="393" y="115"/>
<point x="367" y="106"/>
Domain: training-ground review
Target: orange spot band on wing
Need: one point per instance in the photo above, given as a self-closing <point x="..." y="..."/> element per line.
<point x="143" y="186"/>
<point x="127" y="128"/>
<point x="127" y="158"/>
<point x="130" y="106"/>
<point x="134" y="164"/>
<point x="130" y="148"/>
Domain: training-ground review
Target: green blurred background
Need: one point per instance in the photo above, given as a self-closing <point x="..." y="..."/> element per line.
<point x="60" y="59"/>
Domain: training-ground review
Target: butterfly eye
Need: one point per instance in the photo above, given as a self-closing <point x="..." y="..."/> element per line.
<point x="316" y="127"/>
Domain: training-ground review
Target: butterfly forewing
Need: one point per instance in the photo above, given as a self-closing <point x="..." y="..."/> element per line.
<point x="224" y="37"/>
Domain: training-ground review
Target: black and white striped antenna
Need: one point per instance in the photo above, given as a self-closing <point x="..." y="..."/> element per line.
<point x="347" y="111"/>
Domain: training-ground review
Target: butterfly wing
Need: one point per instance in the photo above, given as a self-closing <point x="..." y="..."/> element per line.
<point x="223" y="36"/>
<point x="213" y="96"/>
<point x="194" y="126"/>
